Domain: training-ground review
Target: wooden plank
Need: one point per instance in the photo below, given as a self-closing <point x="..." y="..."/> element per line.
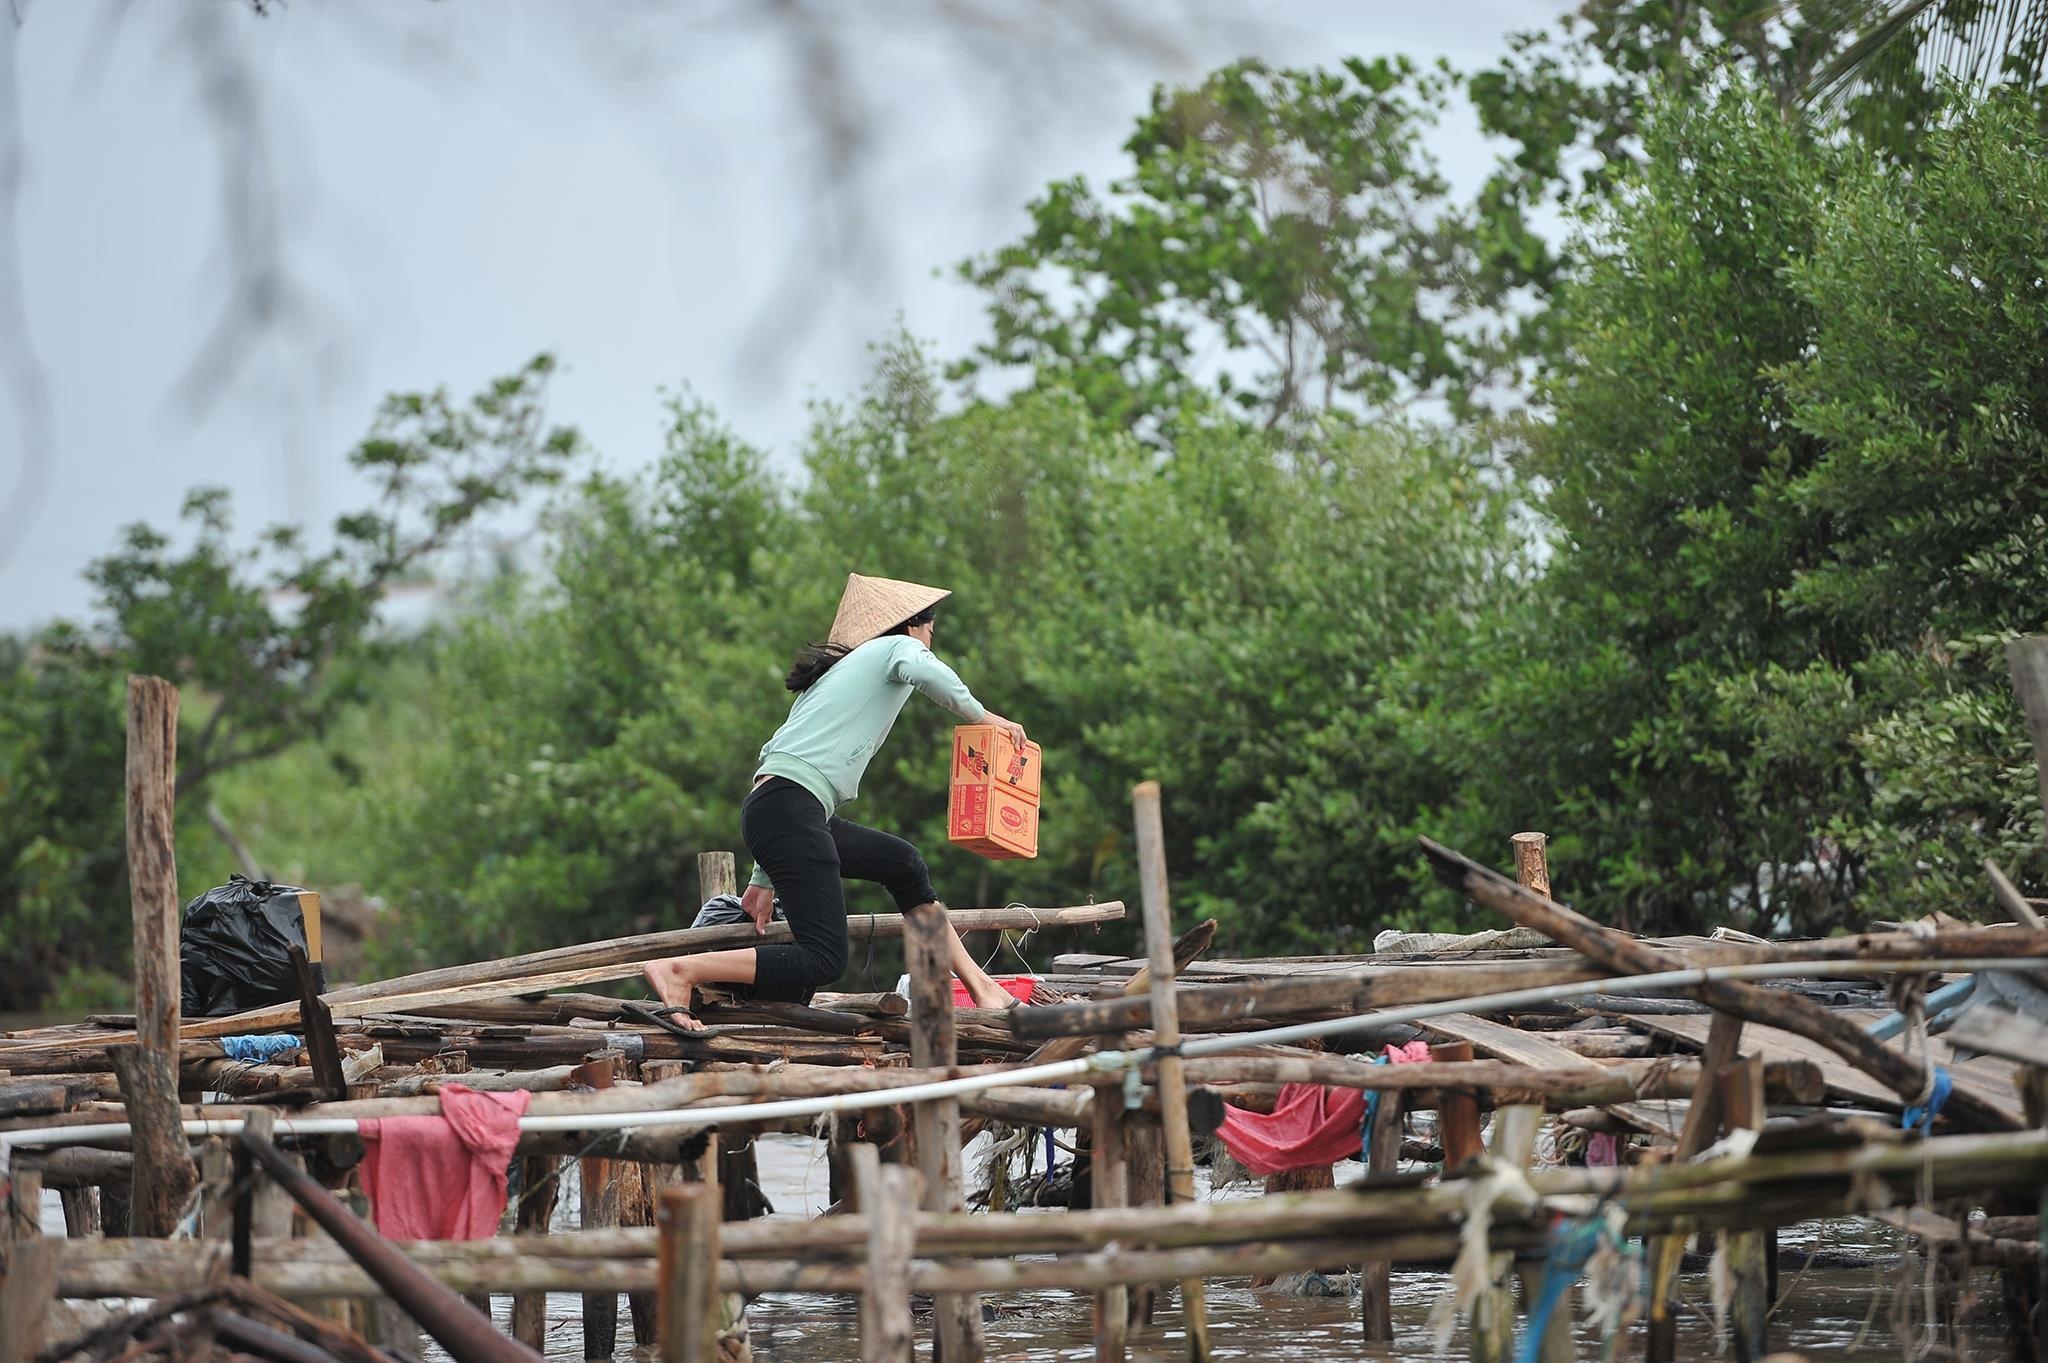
<point x="1988" y="1079"/>
<point x="566" y="967"/>
<point x="1510" y="1043"/>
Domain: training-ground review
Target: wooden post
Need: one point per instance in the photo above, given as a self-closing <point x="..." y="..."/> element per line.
<point x="1532" y="863"/>
<point x="888" y="1197"/>
<point x="1375" y="1276"/>
<point x="717" y="874"/>
<point x="216" y="1183"/>
<point x="27" y="1293"/>
<point x="600" y="1210"/>
<point x="163" y="1174"/>
<point x="1493" y="1315"/>
<point x="1741" y="1096"/>
<point x="2027" y="659"/>
<point x="1724" y="1036"/>
<point x="1145" y="1162"/>
<point x="538" y="1189"/>
<point x="688" y="1273"/>
<point x="738" y="1170"/>
<point x="1173" y="1088"/>
<point x="1457" y="1113"/>
<point x="21" y="1213"/>
<point x="956" y="1315"/>
<point x="1111" y="1185"/>
<point x="81" y="1211"/>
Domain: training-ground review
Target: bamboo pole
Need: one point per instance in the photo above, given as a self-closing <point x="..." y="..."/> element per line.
<point x="164" y="1174"/>
<point x="1173" y="1089"/>
<point x="888" y="1197"/>
<point x="1402" y="1223"/>
<point x="956" y="1317"/>
<point x="688" y="1273"/>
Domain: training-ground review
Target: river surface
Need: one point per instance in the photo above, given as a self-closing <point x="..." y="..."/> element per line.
<point x="1836" y="1313"/>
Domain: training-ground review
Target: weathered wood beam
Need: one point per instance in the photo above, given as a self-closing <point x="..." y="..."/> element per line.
<point x="1624" y="955"/>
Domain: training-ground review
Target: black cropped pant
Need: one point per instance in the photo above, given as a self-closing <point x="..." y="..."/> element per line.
<point x="807" y="854"/>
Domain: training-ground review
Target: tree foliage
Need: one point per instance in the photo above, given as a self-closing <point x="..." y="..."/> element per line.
<point x="1196" y="619"/>
<point x="1284" y="238"/>
<point x="271" y="639"/>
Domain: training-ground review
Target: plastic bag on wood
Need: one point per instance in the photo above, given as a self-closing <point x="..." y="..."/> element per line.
<point x="235" y="948"/>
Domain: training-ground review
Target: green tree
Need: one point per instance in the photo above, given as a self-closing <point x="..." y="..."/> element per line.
<point x="272" y="639"/>
<point x="1790" y="471"/>
<point x="1284" y="238"/>
<point x="1205" y="619"/>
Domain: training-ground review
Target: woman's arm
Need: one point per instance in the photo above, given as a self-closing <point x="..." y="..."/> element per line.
<point x="921" y="667"/>
<point x="918" y="665"/>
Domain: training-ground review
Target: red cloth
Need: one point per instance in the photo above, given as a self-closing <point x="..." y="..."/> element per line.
<point x="443" y="1178"/>
<point x="1309" y="1124"/>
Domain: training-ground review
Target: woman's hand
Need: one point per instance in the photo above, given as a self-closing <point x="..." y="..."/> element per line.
<point x="758" y="903"/>
<point x="1008" y="726"/>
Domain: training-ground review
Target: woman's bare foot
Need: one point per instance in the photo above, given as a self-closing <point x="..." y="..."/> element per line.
<point x="672" y="983"/>
<point x="986" y="993"/>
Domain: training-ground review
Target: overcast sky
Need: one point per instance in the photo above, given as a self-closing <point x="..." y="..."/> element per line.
<point x="460" y="185"/>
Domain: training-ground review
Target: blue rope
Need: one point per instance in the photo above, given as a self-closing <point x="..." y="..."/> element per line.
<point x="1571" y="1246"/>
<point x="1920" y="1116"/>
<point x="1372" y="1107"/>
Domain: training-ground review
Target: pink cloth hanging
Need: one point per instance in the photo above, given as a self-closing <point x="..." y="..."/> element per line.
<point x="443" y="1177"/>
<point x="1309" y="1124"/>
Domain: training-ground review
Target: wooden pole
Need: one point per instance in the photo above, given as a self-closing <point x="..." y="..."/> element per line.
<point x="1741" y="1095"/>
<point x="1173" y="1089"/>
<point x="1111" y="1188"/>
<point x="1375" y="1275"/>
<point x="1724" y="1036"/>
<point x="600" y="1211"/>
<point x="1493" y="1314"/>
<point x="2027" y="659"/>
<point x="164" y="1175"/>
<point x="1770" y="1007"/>
<point x="956" y="1316"/>
<point x="888" y="1196"/>
<point x="688" y="1273"/>
<point x="538" y="1189"/>
<point x="717" y="874"/>
<point x="27" y="1292"/>
<point x="1457" y="1111"/>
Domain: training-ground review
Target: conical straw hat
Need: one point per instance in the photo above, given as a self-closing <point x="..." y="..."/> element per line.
<point x="873" y="606"/>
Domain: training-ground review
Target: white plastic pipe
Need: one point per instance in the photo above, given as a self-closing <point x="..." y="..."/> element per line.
<point x="1055" y="1072"/>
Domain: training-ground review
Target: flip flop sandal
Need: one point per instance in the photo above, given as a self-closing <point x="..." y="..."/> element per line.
<point x="662" y="1016"/>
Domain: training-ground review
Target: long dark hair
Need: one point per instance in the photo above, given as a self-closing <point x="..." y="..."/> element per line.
<point x="815" y="660"/>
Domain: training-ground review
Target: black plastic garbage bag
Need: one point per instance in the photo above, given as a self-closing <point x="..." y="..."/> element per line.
<point x="723" y="909"/>
<point x="236" y="940"/>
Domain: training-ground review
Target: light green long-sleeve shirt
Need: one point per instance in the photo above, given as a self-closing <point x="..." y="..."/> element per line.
<point x="835" y="727"/>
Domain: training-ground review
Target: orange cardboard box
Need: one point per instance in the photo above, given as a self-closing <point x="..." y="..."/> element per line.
<point x="993" y="807"/>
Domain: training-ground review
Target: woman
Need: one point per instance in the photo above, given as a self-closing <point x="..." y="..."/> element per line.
<point x="849" y="691"/>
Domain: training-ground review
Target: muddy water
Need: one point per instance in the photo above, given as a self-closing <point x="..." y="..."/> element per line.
<point x="1837" y="1313"/>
